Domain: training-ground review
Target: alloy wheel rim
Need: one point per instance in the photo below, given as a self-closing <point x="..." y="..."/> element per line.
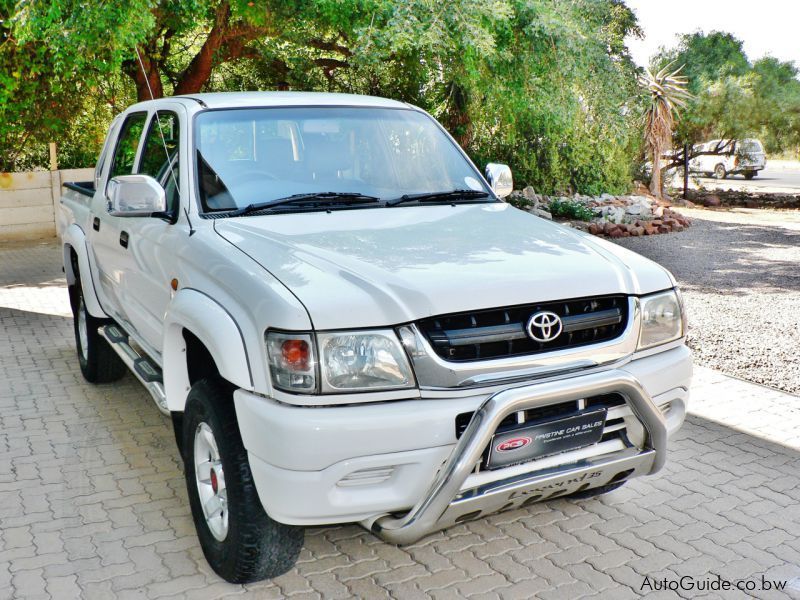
<point x="210" y="480"/>
<point x="83" y="331"/>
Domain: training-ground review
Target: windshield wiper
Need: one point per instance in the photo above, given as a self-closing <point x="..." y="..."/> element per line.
<point x="450" y="196"/>
<point x="311" y="198"/>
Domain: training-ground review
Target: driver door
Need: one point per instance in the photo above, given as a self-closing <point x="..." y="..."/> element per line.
<point x="152" y="240"/>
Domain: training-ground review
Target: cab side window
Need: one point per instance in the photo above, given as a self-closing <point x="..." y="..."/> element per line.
<point x="160" y="154"/>
<point x="127" y="145"/>
<point x="160" y="145"/>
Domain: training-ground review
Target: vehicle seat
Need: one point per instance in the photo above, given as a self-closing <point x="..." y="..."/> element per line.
<point x="276" y="156"/>
<point x="329" y="159"/>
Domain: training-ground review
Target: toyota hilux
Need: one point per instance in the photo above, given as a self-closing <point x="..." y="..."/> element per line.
<point x="346" y="323"/>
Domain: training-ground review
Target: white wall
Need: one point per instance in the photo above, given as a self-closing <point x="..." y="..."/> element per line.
<point x="28" y="202"/>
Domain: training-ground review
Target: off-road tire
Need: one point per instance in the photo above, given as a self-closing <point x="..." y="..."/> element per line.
<point x="750" y="174"/>
<point x="720" y="172"/>
<point x="99" y="363"/>
<point x="256" y="547"/>
<point x="598" y="491"/>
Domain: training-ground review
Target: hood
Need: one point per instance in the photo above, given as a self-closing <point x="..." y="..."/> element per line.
<point x="385" y="266"/>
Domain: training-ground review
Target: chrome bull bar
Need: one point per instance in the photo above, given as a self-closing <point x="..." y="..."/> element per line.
<point x="444" y="503"/>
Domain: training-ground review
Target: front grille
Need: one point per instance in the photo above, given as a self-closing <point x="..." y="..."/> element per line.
<point x="501" y="332"/>
<point x="551" y="411"/>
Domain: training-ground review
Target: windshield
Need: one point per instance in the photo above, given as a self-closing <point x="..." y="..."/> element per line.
<point x="259" y="155"/>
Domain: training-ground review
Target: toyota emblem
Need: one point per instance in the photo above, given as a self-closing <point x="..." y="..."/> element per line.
<point x="544" y="326"/>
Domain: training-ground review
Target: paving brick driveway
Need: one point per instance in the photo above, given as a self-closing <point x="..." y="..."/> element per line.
<point x="92" y="499"/>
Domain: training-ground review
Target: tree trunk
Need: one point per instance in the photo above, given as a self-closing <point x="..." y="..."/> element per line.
<point x="199" y="70"/>
<point x="457" y="120"/>
<point x="141" y="79"/>
<point x="655" y="177"/>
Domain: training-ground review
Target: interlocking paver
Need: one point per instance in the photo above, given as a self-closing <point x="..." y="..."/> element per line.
<point x="92" y="502"/>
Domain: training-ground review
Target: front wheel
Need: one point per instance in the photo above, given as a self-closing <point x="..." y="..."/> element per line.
<point x="239" y="540"/>
<point x="720" y="172"/>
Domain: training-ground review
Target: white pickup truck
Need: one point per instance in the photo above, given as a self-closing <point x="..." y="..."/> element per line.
<point x="346" y="323"/>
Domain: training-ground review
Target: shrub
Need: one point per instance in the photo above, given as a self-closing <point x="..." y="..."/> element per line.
<point x="570" y="209"/>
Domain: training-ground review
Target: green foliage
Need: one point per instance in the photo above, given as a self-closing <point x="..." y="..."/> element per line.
<point x="570" y="209"/>
<point x="547" y="87"/>
<point x="734" y="99"/>
<point x="53" y="55"/>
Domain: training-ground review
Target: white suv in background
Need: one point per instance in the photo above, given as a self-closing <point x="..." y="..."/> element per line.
<point x="744" y="157"/>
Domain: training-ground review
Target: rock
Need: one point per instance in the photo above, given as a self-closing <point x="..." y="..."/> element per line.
<point x="609" y="227"/>
<point x="658" y="211"/>
<point x="639" y="206"/>
<point x="606" y="197"/>
<point x="637" y="231"/>
<point x="635" y="209"/>
<point x="529" y="193"/>
<point x="616" y="233"/>
<point x="712" y="200"/>
<point x="615" y="214"/>
<point x="595" y="228"/>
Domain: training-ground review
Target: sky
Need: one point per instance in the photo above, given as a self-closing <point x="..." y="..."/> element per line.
<point x="765" y="26"/>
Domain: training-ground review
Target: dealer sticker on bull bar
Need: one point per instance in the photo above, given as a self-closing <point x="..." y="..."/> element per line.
<point x="544" y="438"/>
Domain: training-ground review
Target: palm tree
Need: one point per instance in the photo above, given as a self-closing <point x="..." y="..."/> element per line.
<point x="667" y="90"/>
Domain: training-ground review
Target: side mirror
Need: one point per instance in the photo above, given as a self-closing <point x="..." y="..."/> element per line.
<point x="500" y="178"/>
<point x="135" y="196"/>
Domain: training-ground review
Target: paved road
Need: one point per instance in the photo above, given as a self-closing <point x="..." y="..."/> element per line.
<point x="93" y="505"/>
<point x="771" y="180"/>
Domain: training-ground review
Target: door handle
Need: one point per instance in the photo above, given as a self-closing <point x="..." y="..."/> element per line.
<point x="123" y="239"/>
<point x="96" y="223"/>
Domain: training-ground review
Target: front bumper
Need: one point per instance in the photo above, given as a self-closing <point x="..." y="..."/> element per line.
<point x="325" y="465"/>
<point x="446" y="503"/>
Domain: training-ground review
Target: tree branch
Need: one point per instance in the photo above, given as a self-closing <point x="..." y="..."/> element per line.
<point x="199" y="70"/>
<point x="330" y="47"/>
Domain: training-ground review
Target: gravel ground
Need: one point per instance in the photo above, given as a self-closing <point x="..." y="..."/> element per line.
<point x="739" y="270"/>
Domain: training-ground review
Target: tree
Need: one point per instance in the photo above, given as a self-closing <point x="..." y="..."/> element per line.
<point x="667" y="92"/>
<point x="776" y="104"/>
<point x="706" y="57"/>
<point x="52" y="56"/>
<point x="546" y="86"/>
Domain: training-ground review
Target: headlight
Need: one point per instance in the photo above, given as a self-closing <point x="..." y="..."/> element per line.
<point x="349" y="361"/>
<point x="292" y="361"/>
<point x="363" y="360"/>
<point x="662" y="319"/>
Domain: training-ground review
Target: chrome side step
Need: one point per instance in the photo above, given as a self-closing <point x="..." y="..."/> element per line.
<point x="141" y="366"/>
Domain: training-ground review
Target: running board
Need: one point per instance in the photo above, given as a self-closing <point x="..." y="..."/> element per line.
<point x="141" y="366"/>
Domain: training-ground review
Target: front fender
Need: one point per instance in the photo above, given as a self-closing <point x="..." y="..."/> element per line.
<point x="214" y="326"/>
<point x="73" y="238"/>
